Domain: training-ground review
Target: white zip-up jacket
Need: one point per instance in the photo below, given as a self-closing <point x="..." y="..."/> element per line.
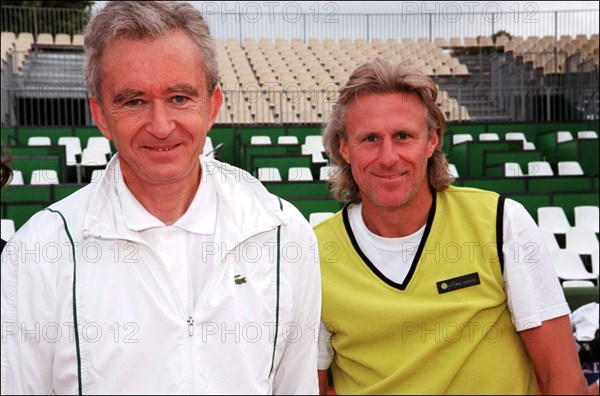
<point x="253" y="330"/>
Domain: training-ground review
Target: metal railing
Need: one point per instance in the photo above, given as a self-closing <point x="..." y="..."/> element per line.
<point x="288" y="20"/>
<point x="511" y="102"/>
<point x="54" y="94"/>
<point x="408" y="25"/>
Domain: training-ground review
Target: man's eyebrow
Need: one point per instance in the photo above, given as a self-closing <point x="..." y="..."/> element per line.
<point x="131" y="93"/>
<point x="126" y="94"/>
<point x="185" y="89"/>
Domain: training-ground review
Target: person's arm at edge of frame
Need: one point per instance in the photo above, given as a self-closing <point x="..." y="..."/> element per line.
<point x="323" y="382"/>
<point x="552" y="351"/>
<point x="326" y="356"/>
<point x="28" y="303"/>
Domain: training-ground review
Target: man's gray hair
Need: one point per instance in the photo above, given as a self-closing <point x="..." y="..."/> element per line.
<point x="145" y="20"/>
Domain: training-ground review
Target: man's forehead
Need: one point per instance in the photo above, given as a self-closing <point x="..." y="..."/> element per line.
<point x="400" y="96"/>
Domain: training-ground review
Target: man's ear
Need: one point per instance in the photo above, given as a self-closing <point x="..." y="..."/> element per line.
<point x="344" y="150"/>
<point x="433" y="142"/>
<point x="98" y="114"/>
<point x="215" y="102"/>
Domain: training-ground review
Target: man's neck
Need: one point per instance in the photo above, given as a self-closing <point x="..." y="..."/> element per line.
<point x="166" y="202"/>
<point x="397" y="222"/>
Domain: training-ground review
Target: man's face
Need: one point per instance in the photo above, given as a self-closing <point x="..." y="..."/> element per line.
<point x="156" y="107"/>
<point x="388" y="148"/>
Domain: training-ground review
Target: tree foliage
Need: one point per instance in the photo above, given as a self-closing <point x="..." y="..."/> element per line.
<point x="52" y="17"/>
<point x="500" y="33"/>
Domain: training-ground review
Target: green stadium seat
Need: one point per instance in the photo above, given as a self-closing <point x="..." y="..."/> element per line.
<point x="38" y="141"/>
<point x="470" y="157"/>
<point x="260" y="140"/>
<point x="576" y="184"/>
<point x="493" y="160"/>
<point x="250" y="151"/>
<point x="21" y="212"/>
<point x="579" y="296"/>
<point x="44" y="176"/>
<point x="584" y="151"/>
<point x="308" y="206"/>
<point x="287" y="140"/>
<point x="282" y="162"/>
<point x="299" y="173"/>
<point x="512" y="169"/>
<point x="9" y="136"/>
<point x="531" y="201"/>
<point x="54" y="134"/>
<point x="299" y="189"/>
<point x="268" y="174"/>
<point x="17" y="178"/>
<point x="27" y="164"/>
<point x="569" y="168"/>
<point x="85" y="133"/>
<point x="501" y="185"/>
<point x="569" y="200"/>
<point x="539" y="169"/>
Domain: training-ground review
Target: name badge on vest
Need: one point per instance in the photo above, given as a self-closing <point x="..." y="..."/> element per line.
<point x="460" y="282"/>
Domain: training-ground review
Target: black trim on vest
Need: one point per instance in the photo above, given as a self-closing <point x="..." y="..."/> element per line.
<point x="372" y="267"/>
<point x="500" y="231"/>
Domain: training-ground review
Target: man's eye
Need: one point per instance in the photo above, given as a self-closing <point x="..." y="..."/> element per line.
<point x="180" y="99"/>
<point x="134" y="103"/>
<point x="403" y="136"/>
<point x="370" y="138"/>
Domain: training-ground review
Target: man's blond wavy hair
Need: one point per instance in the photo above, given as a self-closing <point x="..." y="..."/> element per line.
<point x="380" y="76"/>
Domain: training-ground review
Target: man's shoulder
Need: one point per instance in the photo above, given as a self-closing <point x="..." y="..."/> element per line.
<point x="292" y="212"/>
<point x="225" y="171"/>
<point x="76" y="199"/>
<point x="331" y="224"/>
<point x="230" y="179"/>
<point x="468" y="191"/>
<point x="468" y="197"/>
<point x="45" y="224"/>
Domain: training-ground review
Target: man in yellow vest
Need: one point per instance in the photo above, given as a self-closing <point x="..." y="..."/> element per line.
<point x="429" y="288"/>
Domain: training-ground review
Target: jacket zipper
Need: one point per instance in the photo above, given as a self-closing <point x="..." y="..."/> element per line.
<point x="190" y="319"/>
<point x="190" y="322"/>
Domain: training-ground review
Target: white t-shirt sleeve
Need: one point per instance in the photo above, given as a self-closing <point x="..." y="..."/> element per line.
<point x="326" y="352"/>
<point x="532" y="288"/>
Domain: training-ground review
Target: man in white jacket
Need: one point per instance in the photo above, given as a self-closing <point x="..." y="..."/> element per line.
<point x="174" y="273"/>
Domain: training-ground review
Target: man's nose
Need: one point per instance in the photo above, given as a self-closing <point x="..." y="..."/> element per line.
<point x="161" y="123"/>
<point x="387" y="154"/>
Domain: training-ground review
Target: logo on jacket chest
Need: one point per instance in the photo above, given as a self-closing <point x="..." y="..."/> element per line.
<point x="239" y="279"/>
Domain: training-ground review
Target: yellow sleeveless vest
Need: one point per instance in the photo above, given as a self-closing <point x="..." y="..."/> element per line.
<point x="446" y="329"/>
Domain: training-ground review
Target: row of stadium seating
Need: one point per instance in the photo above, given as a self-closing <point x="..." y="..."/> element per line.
<point x="477" y="163"/>
<point x="288" y="148"/>
<point x="573" y="246"/>
<point x="423" y="50"/>
<point x="509" y="43"/>
<point x="296" y="82"/>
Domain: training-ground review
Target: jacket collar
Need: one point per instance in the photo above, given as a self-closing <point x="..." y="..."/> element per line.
<point x="245" y="207"/>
